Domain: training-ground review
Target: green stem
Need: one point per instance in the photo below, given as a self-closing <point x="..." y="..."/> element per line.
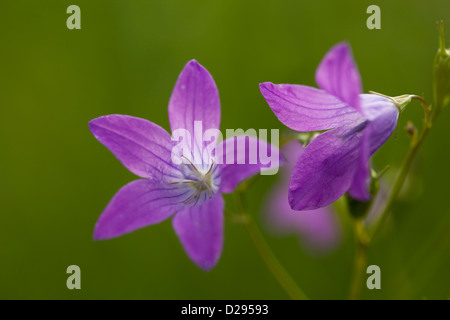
<point x="416" y="142"/>
<point x="360" y="260"/>
<point x="363" y="238"/>
<point x="272" y="263"/>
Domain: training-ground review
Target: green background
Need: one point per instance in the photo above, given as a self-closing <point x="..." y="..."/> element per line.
<point x="55" y="178"/>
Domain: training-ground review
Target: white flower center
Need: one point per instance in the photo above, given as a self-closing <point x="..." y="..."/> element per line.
<point x="201" y="181"/>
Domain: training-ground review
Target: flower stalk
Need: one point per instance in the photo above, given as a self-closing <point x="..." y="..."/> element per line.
<point x="363" y="237"/>
<point x="416" y="142"/>
<point x="269" y="258"/>
<point x="360" y="263"/>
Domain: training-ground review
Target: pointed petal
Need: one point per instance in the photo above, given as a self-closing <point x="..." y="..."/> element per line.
<point x="318" y="229"/>
<point x="136" y="205"/>
<point x="361" y="181"/>
<point x="383" y="116"/>
<point x="304" y="108"/>
<point x="241" y="157"/>
<point x="338" y="75"/>
<point x="325" y="170"/>
<point x="143" y="147"/>
<point x="194" y="98"/>
<point x="200" y="229"/>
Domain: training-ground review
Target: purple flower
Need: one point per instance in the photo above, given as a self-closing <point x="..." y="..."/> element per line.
<point x="191" y="190"/>
<point x="318" y="229"/>
<point x="358" y="124"/>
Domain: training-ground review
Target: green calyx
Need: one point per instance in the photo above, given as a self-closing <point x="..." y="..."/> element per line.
<point x="400" y="101"/>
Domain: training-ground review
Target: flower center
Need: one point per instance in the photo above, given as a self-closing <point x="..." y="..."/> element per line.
<point x="201" y="181"/>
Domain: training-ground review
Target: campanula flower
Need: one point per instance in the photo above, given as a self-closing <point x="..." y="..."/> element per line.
<point x="318" y="230"/>
<point x="357" y="124"/>
<point x="189" y="190"/>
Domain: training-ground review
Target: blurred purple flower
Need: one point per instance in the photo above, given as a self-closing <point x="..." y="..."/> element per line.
<point x="337" y="160"/>
<point x="191" y="191"/>
<point x="318" y="229"/>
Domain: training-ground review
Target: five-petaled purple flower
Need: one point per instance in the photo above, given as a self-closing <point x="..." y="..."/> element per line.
<point x="337" y="160"/>
<point x="190" y="190"/>
<point x="318" y="230"/>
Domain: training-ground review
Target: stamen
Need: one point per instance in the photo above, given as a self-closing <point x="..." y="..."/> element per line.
<point x="192" y="165"/>
<point x="208" y="189"/>
<point x="184" y="181"/>
<point x="210" y="168"/>
<point x="195" y="196"/>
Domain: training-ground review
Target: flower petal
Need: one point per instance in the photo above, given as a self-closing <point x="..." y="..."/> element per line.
<point x="339" y="75"/>
<point x="291" y="150"/>
<point x="194" y="98"/>
<point x="304" y="108"/>
<point x="136" y="205"/>
<point x="240" y="157"/>
<point x="383" y="116"/>
<point x="361" y="181"/>
<point x="200" y="229"/>
<point x="325" y="170"/>
<point x="143" y="147"/>
<point x="318" y="229"/>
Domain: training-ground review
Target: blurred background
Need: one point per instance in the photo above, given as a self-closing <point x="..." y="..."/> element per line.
<point x="55" y="178"/>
